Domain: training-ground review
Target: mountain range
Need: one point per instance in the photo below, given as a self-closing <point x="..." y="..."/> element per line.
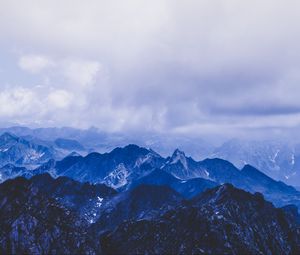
<point x="277" y="158"/>
<point x="46" y="215"/>
<point x="123" y="168"/>
<point x="58" y="197"/>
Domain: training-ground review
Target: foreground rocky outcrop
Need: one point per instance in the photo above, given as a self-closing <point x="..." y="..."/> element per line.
<point x="34" y="223"/>
<point x="44" y="215"/>
<point x="224" y="220"/>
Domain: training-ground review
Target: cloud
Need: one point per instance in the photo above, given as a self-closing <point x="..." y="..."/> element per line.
<point x="167" y="66"/>
<point x="34" y="63"/>
<point x="16" y="102"/>
<point x="81" y="72"/>
<point x="59" y="99"/>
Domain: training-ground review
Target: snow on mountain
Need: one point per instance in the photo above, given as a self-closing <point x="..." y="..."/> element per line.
<point x="118" y="177"/>
<point x="178" y="156"/>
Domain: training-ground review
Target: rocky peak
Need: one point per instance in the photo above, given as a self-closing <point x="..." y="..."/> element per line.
<point x="179" y="157"/>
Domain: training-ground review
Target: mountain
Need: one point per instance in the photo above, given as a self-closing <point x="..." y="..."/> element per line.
<point x="83" y="198"/>
<point x="11" y="171"/>
<point x="276" y="191"/>
<point x="39" y="214"/>
<point x="98" y="141"/>
<point x="252" y="180"/>
<point x="116" y="169"/>
<point x="187" y="188"/>
<point x="69" y="144"/>
<point x="125" y="167"/>
<point x="43" y="215"/>
<point x="223" y="220"/>
<point x="18" y="151"/>
<point x="164" y="144"/>
<point x="142" y="202"/>
<point x="216" y="170"/>
<point x="222" y="171"/>
<point x="182" y="167"/>
<point x="34" y="223"/>
<point x="277" y="159"/>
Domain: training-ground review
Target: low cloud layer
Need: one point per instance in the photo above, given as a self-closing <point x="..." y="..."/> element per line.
<point x="191" y="67"/>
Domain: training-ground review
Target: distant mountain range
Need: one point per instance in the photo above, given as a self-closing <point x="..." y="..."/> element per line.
<point x="20" y="151"/>
<point x="32" y="152"/>
<point x="276" y="158"/>
<point x="127" y="167"/>
<point x="94" y="140"/>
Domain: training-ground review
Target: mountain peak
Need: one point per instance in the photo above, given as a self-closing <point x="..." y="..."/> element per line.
<point x="7" y="136"/>
<point x="179" y="156"/>
<point x="250" y="170"/>
<point x="132" y="146"/>
<point x="74" y="154"/>
<point x="227" y="193"/>
<point x="178" y="152"/>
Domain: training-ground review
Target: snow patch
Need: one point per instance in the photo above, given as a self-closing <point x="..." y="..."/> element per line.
<point x="273" y="159"/>
<point x="142" y="160"/>
<point x="179" y="157"/>
<point x="118" y="177"/>
<point x="99" y="201"/>
<point x="207" y="173"/>
<point x="293" y="159"/>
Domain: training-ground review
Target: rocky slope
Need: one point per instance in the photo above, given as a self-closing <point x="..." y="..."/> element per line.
<point x="43" y="215"/>
<point x="18" y="151"/>
<point x="34" y="223"/>
<point x="223" y="220"/>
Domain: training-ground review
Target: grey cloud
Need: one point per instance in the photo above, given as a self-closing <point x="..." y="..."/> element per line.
<point x="167" y="66"/>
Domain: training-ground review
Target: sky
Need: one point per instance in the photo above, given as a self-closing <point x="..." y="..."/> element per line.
<point x="192" y="67"/>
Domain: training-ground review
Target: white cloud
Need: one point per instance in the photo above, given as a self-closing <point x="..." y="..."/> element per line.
<point x="81" y="72"/>
<point x="17" y="101"/>
<point x="59" y="99"/>
<point x="31" y="105"/>
<point x="34" y="63"/>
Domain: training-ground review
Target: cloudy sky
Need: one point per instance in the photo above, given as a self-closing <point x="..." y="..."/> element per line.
<point x="188" y="67"/>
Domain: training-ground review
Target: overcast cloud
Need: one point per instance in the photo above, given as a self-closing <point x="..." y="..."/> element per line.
<point x="193" y="67"/>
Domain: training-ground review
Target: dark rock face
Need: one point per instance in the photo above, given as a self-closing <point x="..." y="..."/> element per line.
<point x="142" y="202"/>
<point x="223" y="220"/>
<point x="83" y="198"/>
<point x="43" y="215"/>
<point x="187" y="188"/>
<point x="33" y="223"/>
